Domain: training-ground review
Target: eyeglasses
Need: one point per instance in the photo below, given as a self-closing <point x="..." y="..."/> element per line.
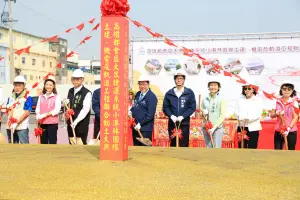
<point x="286" y="89"/>
<point x="247" y="88"/>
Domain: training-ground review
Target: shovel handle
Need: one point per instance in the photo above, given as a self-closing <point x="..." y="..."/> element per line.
<point x="286" y="143"/>
<point x="140" y="134"/>
<point x="71" y="120"/>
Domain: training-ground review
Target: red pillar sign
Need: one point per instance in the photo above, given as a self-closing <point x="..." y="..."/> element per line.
<point x="114" y="88"/>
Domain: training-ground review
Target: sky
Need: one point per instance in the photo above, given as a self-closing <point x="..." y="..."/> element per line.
<point x="170" y="17"/>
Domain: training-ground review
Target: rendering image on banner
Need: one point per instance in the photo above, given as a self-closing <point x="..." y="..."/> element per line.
<point x="172" y="65"/>
<point x="153" y="66"/>
<point x="233" y="65"/>
<point x="192" y="66"/>
<point x="255" y="66"/>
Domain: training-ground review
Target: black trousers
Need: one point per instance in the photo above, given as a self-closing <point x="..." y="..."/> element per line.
<point x="81" y="132"/>
<point x="135" y="134"/>
<point x="184" y="141"/>
<point x="49" y="135"/>
<point x="279" y="140"/>
<point x="253" y="139"/>
<point x="96" y="128"/>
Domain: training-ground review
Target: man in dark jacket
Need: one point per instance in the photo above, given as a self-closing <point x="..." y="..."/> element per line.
<point x="96" y="109"/>
<point x="143" y="111"/>
<point x="80" y="99"/>
<point x="179" y="104"/>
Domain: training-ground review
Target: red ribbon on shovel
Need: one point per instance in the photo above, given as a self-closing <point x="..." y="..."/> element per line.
<point x="69" y="112"/>
<point x="175" y="132"/>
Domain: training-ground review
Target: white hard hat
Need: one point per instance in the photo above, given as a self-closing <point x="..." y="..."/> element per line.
<point x="143" y="78"/>
<point x="19" y="79"/>
<point x="287" y="82"/>
<point x="214" y="79"/>
<point x="78" y="73"/>
<point x="179" y="72"/>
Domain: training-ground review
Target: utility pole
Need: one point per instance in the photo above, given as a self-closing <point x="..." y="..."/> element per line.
<point x="11" y="42"/>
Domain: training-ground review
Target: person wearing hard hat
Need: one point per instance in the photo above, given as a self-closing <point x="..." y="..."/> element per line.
<point x="214" y="108"/>
<point x="179" y="104"/>
<point x="248" y="112"/>
<point x="96" y="108"/>
<point x="143" y="111"/>
<point x="20" y="106"/>
<point x="285" y="109"/>
<point x="47" y="110"/>
<point x="80" y="99"/>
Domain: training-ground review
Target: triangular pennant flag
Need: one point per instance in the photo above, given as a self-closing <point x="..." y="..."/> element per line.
<point x="138" y="24"/>
<point x="53" y="39"/>
<point x="19" y="52"/>
<point x="1" y="58"/>
<point x="85" y="39"/>
<point x="47" y="76"/>
<point x="169" y="42"/>
<point x="92" y="20"/>
<point x="26" y="94"/>
<point x="206" y="62"/>
<point x="200" y="57"/>
<point x="227" y="73"/>
<point x="70" y="54"/>
<point x="269" y="96"/>
<point x="242" y="81"/>
<point x="35" y="85"/>
<point x="27" y="49"/>
<point x="59" y="65"/>
<point x="80" y="26"/>
<point x="69" y="30"/>
<point x="96" y="27"/>
<point x="153" y="33"/>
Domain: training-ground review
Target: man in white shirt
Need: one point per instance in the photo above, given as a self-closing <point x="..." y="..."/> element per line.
<point x="80" y="99"/>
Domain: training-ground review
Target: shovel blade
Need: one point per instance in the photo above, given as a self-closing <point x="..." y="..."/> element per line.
<point x="145" y="141"/>
<point x="3" y="139"/>
<point x="93" y="142"/>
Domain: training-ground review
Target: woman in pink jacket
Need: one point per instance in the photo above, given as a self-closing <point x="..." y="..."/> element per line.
<point x="47" y="110"/>
<point x="285" y="109"/>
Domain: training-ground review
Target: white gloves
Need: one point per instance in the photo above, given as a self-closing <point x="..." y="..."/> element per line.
<point x="279" y="112"/>
<point x="66" y="101"/>
<point x="129" y="113"/>
<point x="13" y="127"/>
<point x="211" y="131"/>
<point x="180" y="118"/>
<point x="138" y="126"/>
<point x="173" y="118"/>
<point x="205" y="111"/>
<point x="40" y="116"/>
<point x="286" y="133"/>
<point x="74" y="124"/>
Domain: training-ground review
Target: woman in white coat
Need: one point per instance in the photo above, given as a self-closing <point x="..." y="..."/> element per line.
<point x="248" y="112"/>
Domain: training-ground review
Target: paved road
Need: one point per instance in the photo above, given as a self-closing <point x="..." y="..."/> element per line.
<point x="62" y="135"/>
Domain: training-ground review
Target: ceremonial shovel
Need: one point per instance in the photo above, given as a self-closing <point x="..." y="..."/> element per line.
<point x="210" y="135"/>
<point x="242" y="134"/>
<point x="285" y="138"/>
<point x="143" y="140"/>
<point x="73" y="140"/>
<point x="95" y="141"/>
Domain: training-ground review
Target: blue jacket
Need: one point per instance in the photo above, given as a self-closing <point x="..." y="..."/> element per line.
<point x="183" y="106"/>
<point x="96" y="103"/>
<point x="144" y="111"/>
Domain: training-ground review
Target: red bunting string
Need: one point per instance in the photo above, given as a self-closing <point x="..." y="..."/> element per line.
<point x="54" y="38"/>
<point x="188" y="52"/>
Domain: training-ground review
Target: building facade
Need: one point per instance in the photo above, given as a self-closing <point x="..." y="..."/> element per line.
<point x="41" y="60"/>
